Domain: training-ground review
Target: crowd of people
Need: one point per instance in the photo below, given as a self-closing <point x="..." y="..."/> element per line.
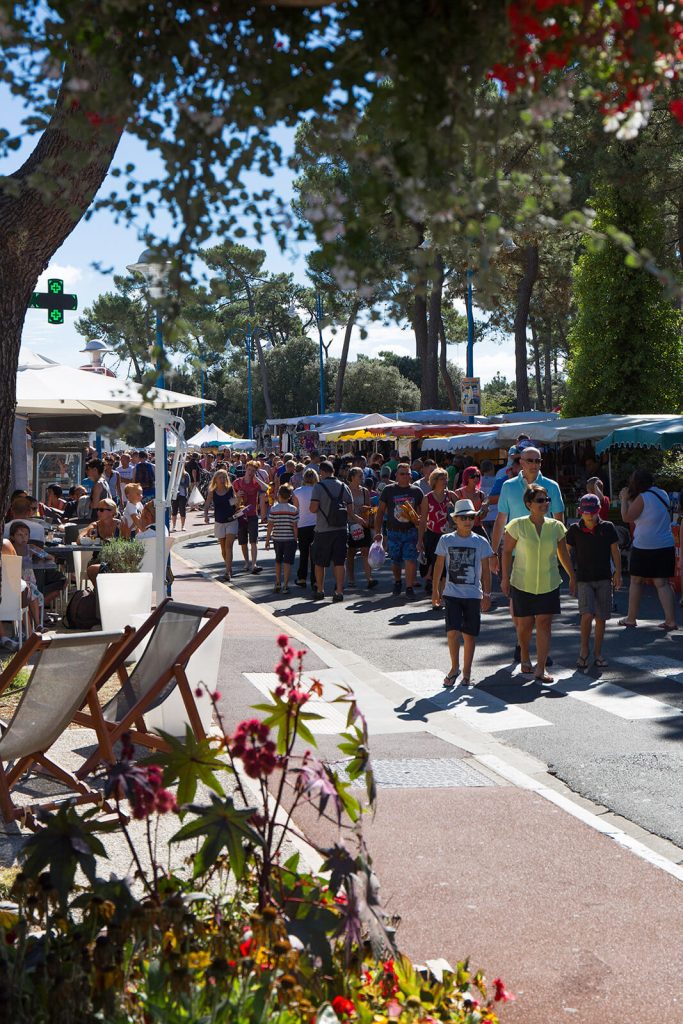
<point x="449" y="528"/>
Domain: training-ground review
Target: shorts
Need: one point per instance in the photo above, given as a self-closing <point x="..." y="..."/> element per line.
<point x="653" y="563"/>
<point x="285" y="551"/>
<point x="247" y="529"/>
<point x="329" y="546"/>
<point x="595" y="598"/>
<point x="179" y="504"/>
<point x="463" y="614"/>
<point x="222" y="530"/>
<point x="402" y="545"/>
<point x="526" y="605"/>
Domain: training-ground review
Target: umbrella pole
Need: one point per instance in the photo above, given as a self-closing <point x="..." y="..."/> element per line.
<point x="609" y="470"/>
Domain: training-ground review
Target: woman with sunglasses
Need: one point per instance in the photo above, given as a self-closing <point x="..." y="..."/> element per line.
<point x="471" y="491"/>
<point x="534" y="581"/>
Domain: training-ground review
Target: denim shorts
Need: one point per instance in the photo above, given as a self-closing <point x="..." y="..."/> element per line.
<point x="402" y="545"/>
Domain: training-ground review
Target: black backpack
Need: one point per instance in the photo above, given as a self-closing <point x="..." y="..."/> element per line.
<point x="336" y="515"/>
<point x="82" y="611"/>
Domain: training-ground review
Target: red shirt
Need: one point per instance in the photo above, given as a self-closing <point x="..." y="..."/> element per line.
<point x="250" y="494"/>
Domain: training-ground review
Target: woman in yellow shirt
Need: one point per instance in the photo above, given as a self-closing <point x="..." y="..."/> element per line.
<point x="534" y="585"/>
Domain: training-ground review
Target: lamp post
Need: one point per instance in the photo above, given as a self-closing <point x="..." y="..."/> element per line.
<point x="249" y="334"/>
<point x="154" y="270"/>
<point x="319" y="317"/>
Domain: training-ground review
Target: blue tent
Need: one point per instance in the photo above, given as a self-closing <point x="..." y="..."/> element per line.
<point x="663" y="434"/>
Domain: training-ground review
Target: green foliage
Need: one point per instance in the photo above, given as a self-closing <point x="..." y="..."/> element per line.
<point x="499" y="395"/>
<point x="370" y="385"/>
<point x="626" y="341"/>
<point x="122" y="555"/>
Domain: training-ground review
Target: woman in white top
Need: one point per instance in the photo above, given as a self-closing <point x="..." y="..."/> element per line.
<point x="306" y="526"/>
<point x="653" y="552"/>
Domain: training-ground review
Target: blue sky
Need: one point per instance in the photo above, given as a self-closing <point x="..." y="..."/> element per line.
<point x="100" y="240"/>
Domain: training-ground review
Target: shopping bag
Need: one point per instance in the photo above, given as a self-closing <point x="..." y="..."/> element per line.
<point x="376" y="555"/>
<point x="196" y="497"/>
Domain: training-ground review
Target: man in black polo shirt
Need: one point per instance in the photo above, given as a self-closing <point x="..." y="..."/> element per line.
<point x="596" y="548"/>
<point x="401" y="502"/>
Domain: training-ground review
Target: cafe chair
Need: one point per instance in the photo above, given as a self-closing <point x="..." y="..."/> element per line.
<point x="172" y="634"/>
<point x="10" y="597"/>
<point x="66" y="672"/>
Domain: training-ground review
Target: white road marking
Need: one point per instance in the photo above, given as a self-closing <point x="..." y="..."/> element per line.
<point x="476" y="707"/>
<point x="654" y="665"/>
<point x="615" y="700"/>
<point x="333" y="717"/>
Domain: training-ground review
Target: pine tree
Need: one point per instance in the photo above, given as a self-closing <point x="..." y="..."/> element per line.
<point x="626" y="342"/>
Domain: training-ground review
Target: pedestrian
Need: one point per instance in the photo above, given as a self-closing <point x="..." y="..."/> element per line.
<point x="428" y="467"/>
<point x="596" y="547"/>
<point x="282" y="527"/>
<point x="533" y="582"/>
<point x="94" y="471"/>
<point x="467" y="591"/>
<point x="470" y="489"/>
<point x="512" y="504"/>
<point x="434" y="521"/>
<point x="653" y="552"/>
<point x="305" y="526"/>
<point x="179" y="503"/>
<point x="332" y="503"/>
<point x="249" y="489"/>
<point x="359" y="532"/>
<point x="222" y="496"/>
<point x="594" y="485"/>
<point x="401" y="502"/>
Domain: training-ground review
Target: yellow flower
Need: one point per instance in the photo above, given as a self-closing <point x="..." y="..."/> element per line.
<point x="169" y="941"/>
<point x="8" y="919"/>
<point x="198" y="961"/>
<point x="106" y="910"/>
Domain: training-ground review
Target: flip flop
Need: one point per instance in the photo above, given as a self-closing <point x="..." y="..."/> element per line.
<point x="582" y="663"/>
<point x="629" y="625"/>
<point x="663" y="625"/>
<point x="601" y="663"/>
<point x="450" y="678"/>
<point x="545" y="678"/>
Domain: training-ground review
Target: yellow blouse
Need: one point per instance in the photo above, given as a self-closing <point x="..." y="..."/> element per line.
<point x="535" y="569"/>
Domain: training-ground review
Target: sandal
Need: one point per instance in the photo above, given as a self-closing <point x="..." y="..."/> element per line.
<point x="466" y="681"/>
<point x="582" y="663"/>
<point x="667" y="627"/>
<point x="526" y="668"/>
<point x="450" y="678"/>
<point x="601" y="663"/>
<point x="545" y="678"/>
<point x="625" y="622"/>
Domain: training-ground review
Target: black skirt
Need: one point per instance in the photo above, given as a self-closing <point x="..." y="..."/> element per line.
<point x="526" y="605"/>
<point x="653" y="563"/>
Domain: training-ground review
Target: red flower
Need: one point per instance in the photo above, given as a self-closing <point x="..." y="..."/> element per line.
<point x="216" y="696"/>
<point x="501" y="994"/>
<point x="282" y="640"/>
<point x="199" y="692"/>
<point x="343" y="1007"/>
<point x="250" y="743"/>
<point x="676" y="108"/>
<point x="245" y="947"/>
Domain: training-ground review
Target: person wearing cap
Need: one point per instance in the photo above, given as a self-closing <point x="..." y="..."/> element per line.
<point x="467" y="558"/>
<point x="596" y="548"/>
<point x="534" y="582"/>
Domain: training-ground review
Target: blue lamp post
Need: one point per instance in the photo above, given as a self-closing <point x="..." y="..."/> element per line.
<point x="319" y="317"/>
<point x="249" y="348"/>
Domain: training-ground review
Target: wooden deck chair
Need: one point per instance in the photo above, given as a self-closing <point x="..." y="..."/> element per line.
<point x="66" y="673"/>
<point x="175" y="632"/>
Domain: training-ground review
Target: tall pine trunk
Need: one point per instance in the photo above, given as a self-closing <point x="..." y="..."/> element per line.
<point x="525" y="288"/>
<point x="537" y="363"/>
<point x="453" y="398"/>
<point x="344" y="357"/>
<point x="429" y="397"/>
<point x="547" y="373"/>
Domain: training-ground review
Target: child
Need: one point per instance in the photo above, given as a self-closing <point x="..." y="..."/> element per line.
<point x="595" y="542"/>
<point x="285" y="533"/>
<point x="467" y="557"/>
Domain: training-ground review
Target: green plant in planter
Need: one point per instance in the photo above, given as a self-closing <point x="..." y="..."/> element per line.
<point x="122" y="555"/>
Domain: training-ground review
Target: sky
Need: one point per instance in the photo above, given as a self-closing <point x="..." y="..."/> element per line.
<point x="100" y="240"/>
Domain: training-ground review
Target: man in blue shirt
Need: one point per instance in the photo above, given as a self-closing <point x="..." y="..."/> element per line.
<point x="511" y="502"/>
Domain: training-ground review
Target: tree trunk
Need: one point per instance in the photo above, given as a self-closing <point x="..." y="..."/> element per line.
<point x="453" y="398"/>
<point x="429" y="395"/>
<point x="525" y="287"/>
<point x="40" y="206"/>
<point x="421" y="332"/>
<point x="343" y="359"/>
<point x="537" y="363"/>
<point x="263" y="369"/>
<point x="547" y="373"/>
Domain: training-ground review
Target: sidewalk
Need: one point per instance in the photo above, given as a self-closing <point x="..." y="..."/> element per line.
<point x="478" y="849"/>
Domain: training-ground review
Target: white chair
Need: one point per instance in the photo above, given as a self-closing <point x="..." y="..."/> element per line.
<point x="36" y="530"/>
<point x="10" y="601"/>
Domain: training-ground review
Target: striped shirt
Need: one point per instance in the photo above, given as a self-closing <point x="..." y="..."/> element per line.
<point x="284" y="518"/>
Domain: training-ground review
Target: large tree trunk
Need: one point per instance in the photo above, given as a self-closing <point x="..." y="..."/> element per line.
<point x="263" y="369"/>
<point x="429" y="392"/>
<point x="35" y="220"/>
<point x="344" y="357"/>
<point x="547" y="373"/>
<point x="537" y="363"/>
<point x="453" y="398"/>
<point x="419" y="319"/>
<point x="524" y="289"/>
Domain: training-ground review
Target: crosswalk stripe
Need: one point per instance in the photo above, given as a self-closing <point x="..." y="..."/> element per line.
<point x="654" y="665"/>
<point x="333" y="720"/>
<point x="473" y="706"/>
<point x="615" y="700"/>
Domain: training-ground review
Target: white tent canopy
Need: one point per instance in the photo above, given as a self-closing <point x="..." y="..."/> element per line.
<point x="208" y="434"/>
<point x="372" y="419"/>
<point x="582" y="428"/>
<point x="485" y="441"/>
<point x="46" y="388"/>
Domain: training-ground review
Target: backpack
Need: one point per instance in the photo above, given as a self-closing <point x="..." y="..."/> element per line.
<point x="336" y="515"/>
<point x="82" y="611"/>
<point x="144" y="475"/>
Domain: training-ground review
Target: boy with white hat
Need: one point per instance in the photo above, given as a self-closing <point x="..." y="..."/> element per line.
<point x="467" y="557"/>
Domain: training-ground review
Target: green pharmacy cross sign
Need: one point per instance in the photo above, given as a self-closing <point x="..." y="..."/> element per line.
<point x="55" y="300"/>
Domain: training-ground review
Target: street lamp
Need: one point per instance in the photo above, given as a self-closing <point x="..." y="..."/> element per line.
<point x="155" y="271"/>
<point x="249" y="346"/>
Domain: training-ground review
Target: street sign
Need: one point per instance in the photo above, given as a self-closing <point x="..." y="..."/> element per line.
<point x="55" y="300"/>
<point x="470" y="396"/>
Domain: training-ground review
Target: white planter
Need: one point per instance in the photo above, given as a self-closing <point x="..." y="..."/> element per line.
<point x="122" y="596"/>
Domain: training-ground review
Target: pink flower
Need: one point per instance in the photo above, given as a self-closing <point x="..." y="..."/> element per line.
<point x="501" y="994"/>
<point x="199" y="692"/>
<point x="216" y="695"/>
<point x="282" y="640"/>
<point x="343" y="1007"/>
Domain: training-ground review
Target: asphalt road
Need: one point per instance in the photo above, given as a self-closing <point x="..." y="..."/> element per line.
<point x="613" y="737"/>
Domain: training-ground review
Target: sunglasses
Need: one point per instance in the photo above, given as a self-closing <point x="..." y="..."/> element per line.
<point x="532" y="460"/>
<point x="104" y="509"/>
<point x="466" y="515"/>
<point x="540" y="501"/>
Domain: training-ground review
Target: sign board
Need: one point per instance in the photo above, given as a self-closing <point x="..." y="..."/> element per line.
<point x="470" y="396"/>
<point x="55" y="300"/>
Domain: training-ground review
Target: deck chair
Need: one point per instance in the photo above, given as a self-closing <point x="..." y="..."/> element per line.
<point x="67" y="671"/>
<point x="175" y="632"/>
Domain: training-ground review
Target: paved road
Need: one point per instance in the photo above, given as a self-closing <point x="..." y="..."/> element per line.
<point x="614" y="738"/>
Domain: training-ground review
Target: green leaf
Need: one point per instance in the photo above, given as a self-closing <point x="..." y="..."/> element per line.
<point x="225" y="827"/>
<point x="189" y="761"/>
<point x="65" y="843"/>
